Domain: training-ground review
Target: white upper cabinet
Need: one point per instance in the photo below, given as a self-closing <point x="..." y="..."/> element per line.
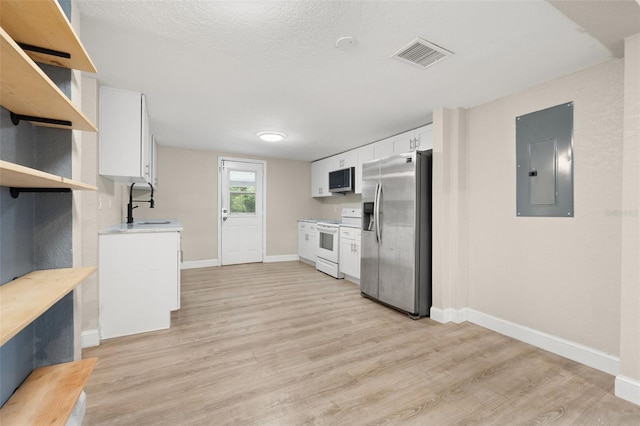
<point x="125" y="136"/>
<point x="342" y="161"/>
<point x="320" y="178"/>
<point x="419" y="139"/>
<point x="424" y="137"/>
<point x="383" y="148"/>
<point x="364" y="154"/>
<point x="320" y="171"/>
<point x="154" y="162"/>
<point x="404" y="142"/>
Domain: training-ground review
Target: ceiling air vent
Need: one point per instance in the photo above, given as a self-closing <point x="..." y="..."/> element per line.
<point x="421" y="53"/>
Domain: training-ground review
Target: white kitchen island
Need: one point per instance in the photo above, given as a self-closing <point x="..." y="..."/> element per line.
<point x="139" y="276"/>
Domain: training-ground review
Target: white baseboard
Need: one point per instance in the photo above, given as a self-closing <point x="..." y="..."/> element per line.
<point x="281" y="258"/>
<point x="352" y="279"/>
<point x="307" y="261"/>
<point x="193" y="264"/>
<point x="628" y="389"/>
<point x="89" y="338"/>
<point x="448" y="315"/>
<point x="557" y="345"/>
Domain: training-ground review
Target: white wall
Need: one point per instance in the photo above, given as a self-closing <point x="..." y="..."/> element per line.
<point x="187" y="190"/>
<point x="628" y="380"/>
<point x="557" y="275"/>
<point x="554" y="282"/>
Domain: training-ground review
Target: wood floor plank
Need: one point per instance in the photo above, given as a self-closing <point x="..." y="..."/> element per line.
<point x="283" y="344"/>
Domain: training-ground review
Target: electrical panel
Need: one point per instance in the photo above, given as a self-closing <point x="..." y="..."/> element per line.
<point x="544" y="156"/>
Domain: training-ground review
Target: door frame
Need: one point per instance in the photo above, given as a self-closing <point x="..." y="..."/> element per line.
<point x="264" y="202"/>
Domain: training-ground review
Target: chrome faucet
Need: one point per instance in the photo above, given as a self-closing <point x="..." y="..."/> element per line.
<point x="130" y="206"/>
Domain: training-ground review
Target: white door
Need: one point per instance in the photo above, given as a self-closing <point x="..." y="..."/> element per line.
<point x="241" y="212"/>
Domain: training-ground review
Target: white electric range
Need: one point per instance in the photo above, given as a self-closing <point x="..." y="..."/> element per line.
<point x="328" y="255"/>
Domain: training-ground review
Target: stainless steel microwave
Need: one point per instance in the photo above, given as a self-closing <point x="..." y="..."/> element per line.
<point x="342" y="180"/>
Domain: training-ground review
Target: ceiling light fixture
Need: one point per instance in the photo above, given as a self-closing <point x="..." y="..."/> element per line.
<point x="346" y="43"/>
<point x="271" y="136"/>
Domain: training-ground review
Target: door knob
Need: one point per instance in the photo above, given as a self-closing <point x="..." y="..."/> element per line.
<point x="225" y="215"/>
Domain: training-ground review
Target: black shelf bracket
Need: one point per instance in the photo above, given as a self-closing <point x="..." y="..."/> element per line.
<point x="15" y="119"/>
<point x="44" y="50"/>
<point x="16" y="191"/>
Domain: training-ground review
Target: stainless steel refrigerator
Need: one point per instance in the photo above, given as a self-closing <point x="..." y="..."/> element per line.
<point x="396" y="232"/>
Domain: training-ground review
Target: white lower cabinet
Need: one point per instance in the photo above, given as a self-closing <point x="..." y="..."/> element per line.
<point x="350" y="252"/>
<point x="307" y="241"/>
<point x="139" y="283"/>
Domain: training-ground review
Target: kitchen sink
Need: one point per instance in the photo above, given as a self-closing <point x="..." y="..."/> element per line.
<point x="154" y="222"/>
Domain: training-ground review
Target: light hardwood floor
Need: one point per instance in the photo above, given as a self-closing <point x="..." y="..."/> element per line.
<point x="283" y="344"/>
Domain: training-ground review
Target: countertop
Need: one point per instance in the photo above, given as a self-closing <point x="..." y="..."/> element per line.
<point x="331" y="221"/>
<point x="145" y="225"/>
<point x="334" y="221"/>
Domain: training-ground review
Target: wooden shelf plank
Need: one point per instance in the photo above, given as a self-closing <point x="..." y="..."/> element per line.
<point x="26" y="298"/>
<point x="43" y="24"/>
<point x="25" y="89"/>
<point x="48" y="395"/>
<point x="24" y="177"/>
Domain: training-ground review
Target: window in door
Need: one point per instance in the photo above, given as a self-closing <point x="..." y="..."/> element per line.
<point x="242" y="192"/>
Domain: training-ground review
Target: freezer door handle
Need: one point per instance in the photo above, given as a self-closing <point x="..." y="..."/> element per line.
<point x="377" y="212"/>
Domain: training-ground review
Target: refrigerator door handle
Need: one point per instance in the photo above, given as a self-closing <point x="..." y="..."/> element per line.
<point x="377" y="212"/>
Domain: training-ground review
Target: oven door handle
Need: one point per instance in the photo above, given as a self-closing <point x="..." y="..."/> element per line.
<point x="326" y="229"/>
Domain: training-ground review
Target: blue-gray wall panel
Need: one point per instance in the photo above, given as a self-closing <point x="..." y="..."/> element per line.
<point x="54" y="334"/>
<point x="16" y="249"/>
<point x="16" y="362"/>
<point x="53" y="231"/>
<point x="52" y="150"/>
<point x="66" y="7"/>
<point x="16" y="142"/>
<point x="16" y="235"/>
<point x="60" y="76"/>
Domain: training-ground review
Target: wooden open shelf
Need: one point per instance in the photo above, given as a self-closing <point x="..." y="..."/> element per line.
<point x="43" y="24"/>
<point x="26" y="298"/>
<point x="24" y="177"/>
<point x="48" y="395"/>
<point x="26" y="90"/>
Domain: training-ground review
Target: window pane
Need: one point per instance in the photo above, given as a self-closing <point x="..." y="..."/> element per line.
<point x="241" y="181"/>
<point x="242" y="192"/>
<point x="243" y="203"/>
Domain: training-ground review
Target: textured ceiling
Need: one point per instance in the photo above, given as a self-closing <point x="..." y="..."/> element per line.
<point x="217" y="72"/>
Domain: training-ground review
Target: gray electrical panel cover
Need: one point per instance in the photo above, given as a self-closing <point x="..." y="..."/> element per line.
<point x="544" y="156"/>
